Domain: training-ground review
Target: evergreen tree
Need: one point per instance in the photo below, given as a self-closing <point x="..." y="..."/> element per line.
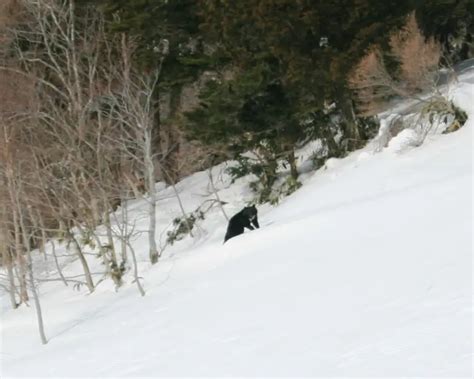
<point x="250" y="112"/>
<point x="451" y="22"/>
<point x="289" y="59"/>
<point x="314" y="44"/>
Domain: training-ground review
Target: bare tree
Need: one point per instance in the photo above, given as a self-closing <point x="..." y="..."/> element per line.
<point x="134" y="107"/>
<point x="72" y="152"/>
<point x="55" y="169"/>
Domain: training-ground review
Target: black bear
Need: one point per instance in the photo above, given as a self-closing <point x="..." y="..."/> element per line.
<point x="244" y="219"/>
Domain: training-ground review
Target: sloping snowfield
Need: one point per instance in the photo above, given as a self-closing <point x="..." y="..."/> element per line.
<point x="364" y="271"/>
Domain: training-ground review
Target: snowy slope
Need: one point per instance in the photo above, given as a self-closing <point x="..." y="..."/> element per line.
<point x="365" y="271"/>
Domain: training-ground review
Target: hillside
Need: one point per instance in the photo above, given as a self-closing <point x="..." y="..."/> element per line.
<point x="364" y="271"/>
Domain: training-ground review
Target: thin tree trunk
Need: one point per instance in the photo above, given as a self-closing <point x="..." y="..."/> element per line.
<point x="38" y="228"/>
<point x="216" y="194"/>
<point x="292" y="162"/>
<point x="82" y="258"/>
<point x="8" y="263"/>
<point x="181" y="206"/>
<point x="110" y="237"/>
<point x="113" y="266"/>
<point x="135" y="270"/>
<point x="53" y="248"/>
<point x="150" y="175"/>
<point x="334" y="150"/>
<point x="7" y="258"/>
<point x="39" y="313"/>
<point x="151" y="140"/>
<point x="352" y="134"/>
<point x="20" y="260"/>
<point x="56" y="262"/>
<point x="124" y="232"/>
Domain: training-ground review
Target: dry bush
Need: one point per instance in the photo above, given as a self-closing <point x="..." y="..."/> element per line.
<point x="372" y="83"/>
<point x="418" y="56"/>
<point x="418" y="60"/>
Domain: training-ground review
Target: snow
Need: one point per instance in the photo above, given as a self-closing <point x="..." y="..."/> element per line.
<point x="364" y="271"/>
<point x="406" y="139"/>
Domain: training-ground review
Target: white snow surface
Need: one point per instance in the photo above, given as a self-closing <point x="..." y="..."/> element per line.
<point x="364" y="271"/>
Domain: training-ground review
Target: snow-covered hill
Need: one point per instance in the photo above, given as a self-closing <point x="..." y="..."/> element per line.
<point x="364" y="271"/>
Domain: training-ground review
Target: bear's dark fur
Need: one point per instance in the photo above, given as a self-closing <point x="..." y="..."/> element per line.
<point x="244" y="219"/>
